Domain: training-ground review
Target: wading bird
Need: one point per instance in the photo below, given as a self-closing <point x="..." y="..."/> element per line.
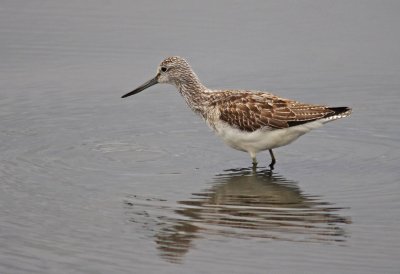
<point x="246" y="120"/>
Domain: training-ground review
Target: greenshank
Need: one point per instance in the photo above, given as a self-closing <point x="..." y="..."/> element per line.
<point x="246" y="120"/>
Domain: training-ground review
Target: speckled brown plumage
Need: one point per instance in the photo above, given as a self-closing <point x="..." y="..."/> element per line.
<point x="250" y="111"/>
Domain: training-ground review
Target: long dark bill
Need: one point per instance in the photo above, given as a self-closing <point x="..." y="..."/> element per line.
<point x="150" y="83"/>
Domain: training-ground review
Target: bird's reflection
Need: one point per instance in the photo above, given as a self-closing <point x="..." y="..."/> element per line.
<point x="248" y="204"/>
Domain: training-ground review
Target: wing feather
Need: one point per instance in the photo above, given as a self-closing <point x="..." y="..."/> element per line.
<point x="250" y="111"/>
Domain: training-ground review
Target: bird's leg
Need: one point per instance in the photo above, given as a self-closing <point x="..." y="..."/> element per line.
<point x="254" y="160"/>
<point x="255" y="164"/>
<point x="273" y="161"/>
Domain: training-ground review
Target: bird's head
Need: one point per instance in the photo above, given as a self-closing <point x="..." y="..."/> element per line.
<point x="173" y="70"/>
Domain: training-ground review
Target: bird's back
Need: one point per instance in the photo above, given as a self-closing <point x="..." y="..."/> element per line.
<point x="252" y="110"/>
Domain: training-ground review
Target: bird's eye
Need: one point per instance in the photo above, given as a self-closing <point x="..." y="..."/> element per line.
<point x="163" y="69"/>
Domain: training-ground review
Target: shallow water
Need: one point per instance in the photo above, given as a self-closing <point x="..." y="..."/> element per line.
<point x="91" y="183"/>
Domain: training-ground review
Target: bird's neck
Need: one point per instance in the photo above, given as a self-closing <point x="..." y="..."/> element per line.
<point x="194" y="92"/>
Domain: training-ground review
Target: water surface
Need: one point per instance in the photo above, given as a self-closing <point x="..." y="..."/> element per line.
<point x="91" y="183"/>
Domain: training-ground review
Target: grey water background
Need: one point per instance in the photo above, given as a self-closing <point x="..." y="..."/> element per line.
<point x="92" y="183"/>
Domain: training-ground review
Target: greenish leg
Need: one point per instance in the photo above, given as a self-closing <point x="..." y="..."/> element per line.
<point x="254" y="159"/>
<point x="273" y="161"/>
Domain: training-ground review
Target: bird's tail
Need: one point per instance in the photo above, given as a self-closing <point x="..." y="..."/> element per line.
<point x="338" y="112"/>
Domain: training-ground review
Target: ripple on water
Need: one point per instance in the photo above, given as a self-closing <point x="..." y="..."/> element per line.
<point x="239" y="204"/>
<point x="131" y="150"/>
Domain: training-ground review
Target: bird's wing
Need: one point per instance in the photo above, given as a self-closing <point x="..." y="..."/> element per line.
<point x="249" y="111"/>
